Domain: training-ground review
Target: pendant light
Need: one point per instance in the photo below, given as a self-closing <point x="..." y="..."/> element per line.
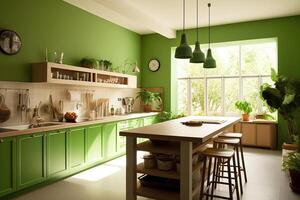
<point x="210" y="61"/>
<point x="198" y="55"/>
<point x="183" y="51"/>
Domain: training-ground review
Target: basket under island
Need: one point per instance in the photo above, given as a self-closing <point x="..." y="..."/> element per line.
<point x="182" y="141"/>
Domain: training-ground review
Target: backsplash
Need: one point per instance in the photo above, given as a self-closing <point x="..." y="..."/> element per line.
<point x="40" y="92"/>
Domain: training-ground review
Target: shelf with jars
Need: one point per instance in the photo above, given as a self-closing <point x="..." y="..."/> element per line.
<point x="66" y="74"/>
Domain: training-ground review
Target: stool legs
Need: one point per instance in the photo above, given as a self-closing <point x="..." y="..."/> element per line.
<point x="236" y="179"/>
<point x="239" y="168"/>
<point x="229" y="180"/>
<point x="243" y="161"/>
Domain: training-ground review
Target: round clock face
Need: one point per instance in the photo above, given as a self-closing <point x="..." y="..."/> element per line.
<point x="10" y="42"/>
<point x="154" y="65"/>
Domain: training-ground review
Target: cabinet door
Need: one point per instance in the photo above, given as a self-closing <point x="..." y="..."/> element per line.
<point x="94" y="143"/>
<point x="110" y="139"/>
<point x="56" y="153"/>
<point x="266" y="135"/>
<point x="30" y="160"/>
<point x="76" y="147"/>
<point x="7" y="166"/>
<point x="150" y="120"/>
<point x="249" y="134"/>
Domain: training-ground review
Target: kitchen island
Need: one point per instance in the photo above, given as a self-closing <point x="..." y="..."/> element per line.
<point x="188" y="138"/>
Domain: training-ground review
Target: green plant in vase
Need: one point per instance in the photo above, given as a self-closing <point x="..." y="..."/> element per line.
<point x="284" y="96"/>
<point x="292" y="164"/>
<point x="245" y="107"/>
<point x="149" y="98"/>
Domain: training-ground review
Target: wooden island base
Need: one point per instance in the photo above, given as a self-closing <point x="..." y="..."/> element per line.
<point x="184" y="141"/>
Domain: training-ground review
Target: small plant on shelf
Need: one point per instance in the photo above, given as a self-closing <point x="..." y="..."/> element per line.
<point x="245" y="107"/>
<point x="149" y="98"/>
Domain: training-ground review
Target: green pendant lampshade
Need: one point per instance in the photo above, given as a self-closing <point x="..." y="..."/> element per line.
<point x="210" y="61"/>
<point x="198" y="55"/>
<point x="183" y="51"/>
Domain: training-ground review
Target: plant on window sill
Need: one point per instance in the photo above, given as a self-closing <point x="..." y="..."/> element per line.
<point x="245" y="107"/>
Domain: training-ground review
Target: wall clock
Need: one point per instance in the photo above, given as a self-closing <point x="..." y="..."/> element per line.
<point x="10" y="42"/>
<point x="154" y="65"/>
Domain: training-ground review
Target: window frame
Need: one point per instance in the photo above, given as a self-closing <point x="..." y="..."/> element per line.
<point x="240" y="77"/>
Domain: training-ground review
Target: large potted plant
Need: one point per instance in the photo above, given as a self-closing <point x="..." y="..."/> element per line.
<point x="149" y="98"/>
<point x="284" y="96"/>
<point x="292" y="164"/>
<point x="245" y="107"/>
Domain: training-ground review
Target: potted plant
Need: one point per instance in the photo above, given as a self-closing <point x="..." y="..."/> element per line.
<point x="165" y="116"/>
<point x="245" y="107"/>
<point x="149" y="98"/>
<point x="292" y="164"/>
<point x="284" y="96"/>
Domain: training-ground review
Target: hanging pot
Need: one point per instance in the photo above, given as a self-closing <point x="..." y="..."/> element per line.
<point x="4" y="110"/>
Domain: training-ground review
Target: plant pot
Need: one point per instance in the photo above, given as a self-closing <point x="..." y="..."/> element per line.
<point x="295" y="181"/>
<point x="286" y="149"/>
<point x="147" y="108"/>
<point x="245" y="117"/>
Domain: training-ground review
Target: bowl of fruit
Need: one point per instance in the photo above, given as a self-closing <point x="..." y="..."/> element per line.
<point x="71" y="117"/>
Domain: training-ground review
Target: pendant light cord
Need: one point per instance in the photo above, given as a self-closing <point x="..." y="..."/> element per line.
<point x="209" y="25"/>
<point x="197" y="20"/>
<point x="183" y="16"/>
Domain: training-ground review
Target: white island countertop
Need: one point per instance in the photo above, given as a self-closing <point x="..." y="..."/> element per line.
<point x="174" y="130"/>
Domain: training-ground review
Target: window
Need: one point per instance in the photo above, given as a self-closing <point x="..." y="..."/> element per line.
<point x="241" y="68"/>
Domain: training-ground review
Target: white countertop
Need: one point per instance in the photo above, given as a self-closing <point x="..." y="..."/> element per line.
<point x="65" y="125"/>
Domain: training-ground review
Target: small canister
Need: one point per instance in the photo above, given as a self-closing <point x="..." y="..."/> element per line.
<point x="149" y="161"/>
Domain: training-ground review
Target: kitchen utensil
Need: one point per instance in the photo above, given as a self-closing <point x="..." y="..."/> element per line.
<point x="193" y="123"/>
<point x="4" y="110"/>
<point x="52" y="106"/>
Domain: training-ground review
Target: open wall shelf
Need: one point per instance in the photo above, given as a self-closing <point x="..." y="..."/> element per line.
<point x="66" y="74"/>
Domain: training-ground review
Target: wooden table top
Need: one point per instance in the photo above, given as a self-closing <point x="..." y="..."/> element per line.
<point x="174" y="130"/>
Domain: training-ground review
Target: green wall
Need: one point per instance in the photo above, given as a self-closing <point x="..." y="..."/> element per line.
<point x="61" y="27"/>
<point x="287" y="30"/>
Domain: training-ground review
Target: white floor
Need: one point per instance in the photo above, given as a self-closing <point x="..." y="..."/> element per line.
<point x="266" y="181"/>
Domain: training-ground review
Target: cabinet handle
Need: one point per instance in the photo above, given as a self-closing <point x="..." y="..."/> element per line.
<point x="1" y="140"/>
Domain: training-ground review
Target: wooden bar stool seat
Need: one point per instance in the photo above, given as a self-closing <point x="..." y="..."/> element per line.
<point x="231" y="135"/>
<point x="237" y="136"/>
<point x="215" y="154"/>
<point x="227" y="141"/>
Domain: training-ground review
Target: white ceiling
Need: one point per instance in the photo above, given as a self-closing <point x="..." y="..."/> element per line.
<point x="165" y="16"/>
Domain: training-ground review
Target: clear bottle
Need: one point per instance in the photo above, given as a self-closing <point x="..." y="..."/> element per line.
<point x="112" y="110"/>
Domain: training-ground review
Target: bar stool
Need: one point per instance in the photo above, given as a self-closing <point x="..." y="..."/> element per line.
<point x="237" y="136"/>
<point x="226" y="155"/>
<point x="235" y="143"/>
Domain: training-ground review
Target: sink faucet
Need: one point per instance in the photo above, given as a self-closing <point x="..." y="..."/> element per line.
<point x="36" y="119"/>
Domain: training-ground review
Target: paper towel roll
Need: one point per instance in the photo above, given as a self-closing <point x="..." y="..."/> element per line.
<point x="74" y="95"/>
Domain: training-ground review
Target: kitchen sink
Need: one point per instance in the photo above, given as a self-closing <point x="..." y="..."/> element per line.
<point x="28" y="126"/>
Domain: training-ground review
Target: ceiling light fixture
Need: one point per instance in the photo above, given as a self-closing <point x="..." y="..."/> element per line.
<point x="183" y="51"/>
<point x="210" y="61"/>
<point x="198" y="55"/>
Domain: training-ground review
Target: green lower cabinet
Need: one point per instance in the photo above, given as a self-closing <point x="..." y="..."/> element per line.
<point x="150" y="120"/>
<point x="56" y="153"/>
<point x="30" y="160"/>
<point x="7" y="166"/>
<point x="76" y="147"/>
<point x="110" y="134"/>
<point x="94" y="144"/>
